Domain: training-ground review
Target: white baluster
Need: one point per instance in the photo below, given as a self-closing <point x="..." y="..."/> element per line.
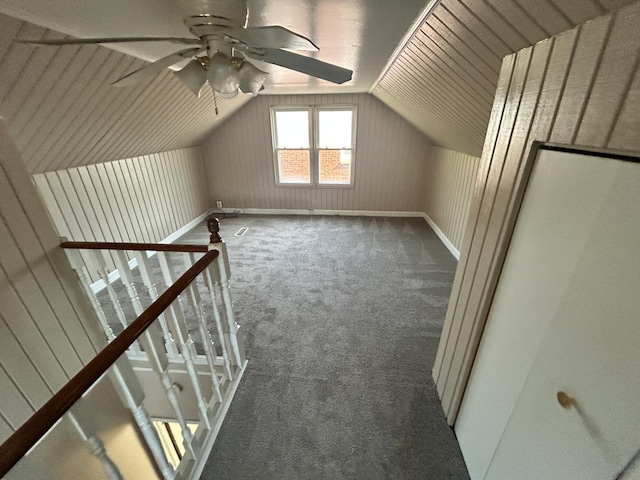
<point x="207" y="341"/>
<point x="221" y="273"/>
<point x="218" y="322"/>
<point x="185" y="342"/>
<point x="104" y="275"/>
<point x="78" y="265"/>
<point x="145" y="273"/>
<point x="132" y="396"/>
<point x="160" y="363"/>
<point x="126" y="277"/>
<point x="97" y="449"/>
<point x="169" y="275"/>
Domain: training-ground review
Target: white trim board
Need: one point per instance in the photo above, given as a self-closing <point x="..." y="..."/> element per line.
<point x="344" y="213"/>
<point x="447" y="243"/>
<point x="208" y="437"/>
<point x="133" y="263"/>
<point x="417" y="23"/>
<point x="351" y="213"/>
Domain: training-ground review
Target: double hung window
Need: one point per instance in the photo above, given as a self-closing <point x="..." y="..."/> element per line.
<point x="314" y="145"/>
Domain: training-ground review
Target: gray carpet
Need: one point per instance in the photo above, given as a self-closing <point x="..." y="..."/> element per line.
<point x="341" y="317"/>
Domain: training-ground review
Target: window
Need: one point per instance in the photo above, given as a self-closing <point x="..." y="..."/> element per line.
<point x="314" y="145"/>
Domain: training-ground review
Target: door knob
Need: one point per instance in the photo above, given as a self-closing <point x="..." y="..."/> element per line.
<point x="565" y="400"/>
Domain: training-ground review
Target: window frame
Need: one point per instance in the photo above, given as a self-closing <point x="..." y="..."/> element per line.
<point x="276" y="150"/>
<point x="314" y="149"/>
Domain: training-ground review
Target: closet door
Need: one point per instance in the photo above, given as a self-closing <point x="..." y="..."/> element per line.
<point x="577" y="414"/>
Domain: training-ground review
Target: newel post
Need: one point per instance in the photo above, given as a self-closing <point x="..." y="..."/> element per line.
<point x="221" y="273"/>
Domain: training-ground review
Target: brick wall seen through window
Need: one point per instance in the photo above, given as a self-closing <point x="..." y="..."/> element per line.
<point x="314" y="146"/>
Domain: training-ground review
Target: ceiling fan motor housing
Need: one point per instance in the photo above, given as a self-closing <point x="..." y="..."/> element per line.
<point x="208" y="17"/>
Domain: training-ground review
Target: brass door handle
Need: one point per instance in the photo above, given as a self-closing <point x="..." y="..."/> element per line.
<point x="565" y="400"/>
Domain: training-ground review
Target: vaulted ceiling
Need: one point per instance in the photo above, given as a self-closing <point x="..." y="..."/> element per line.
<point x="62" y="112"/>
<point x="444" y="79"/>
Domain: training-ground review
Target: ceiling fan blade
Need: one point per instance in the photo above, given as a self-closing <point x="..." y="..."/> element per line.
<point x="194" y="76"/>
<point x="156" y="67"/>
<point x="81" y="41"/>
<point x="272" y="37"/>
<point x="300" y="63"/>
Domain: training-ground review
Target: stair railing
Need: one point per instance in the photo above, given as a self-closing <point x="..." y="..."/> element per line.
<point x="154" y="353"/>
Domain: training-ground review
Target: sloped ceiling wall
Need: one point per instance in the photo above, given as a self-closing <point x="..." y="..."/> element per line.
<point x="62" y="112"/>
<point x="444" y="79"/>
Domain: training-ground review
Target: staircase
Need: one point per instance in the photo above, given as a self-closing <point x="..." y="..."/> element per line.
<point x="151" y="404"/>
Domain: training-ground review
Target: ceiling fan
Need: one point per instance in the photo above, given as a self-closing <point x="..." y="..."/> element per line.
<point x="218" y="53"/>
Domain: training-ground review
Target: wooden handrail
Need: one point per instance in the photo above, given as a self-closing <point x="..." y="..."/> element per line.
<point x="19" y="443"/>
<point x="154" y="247"/>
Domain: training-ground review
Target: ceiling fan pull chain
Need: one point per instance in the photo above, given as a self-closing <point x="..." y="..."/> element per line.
<point x="215" y="101"/>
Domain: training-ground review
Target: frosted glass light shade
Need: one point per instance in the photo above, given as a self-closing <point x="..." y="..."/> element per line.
<point x="251" y="78"/>
<point x="222" y="75"/>
<point x="232" y="94"/>
<point x="194" y="76"/>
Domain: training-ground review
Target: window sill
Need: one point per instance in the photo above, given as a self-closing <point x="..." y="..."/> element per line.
<point x="306" y="185"/>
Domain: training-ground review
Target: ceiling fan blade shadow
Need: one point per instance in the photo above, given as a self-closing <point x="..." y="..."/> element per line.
<point x="155" y="67"/>
<point x="194" y="76"/>
<point x="81" y="41"/>
<point x="300" y="63"/>
<point x="272" y="37"/>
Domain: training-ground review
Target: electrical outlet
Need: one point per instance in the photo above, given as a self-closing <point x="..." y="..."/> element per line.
<point x="219" y="204"/>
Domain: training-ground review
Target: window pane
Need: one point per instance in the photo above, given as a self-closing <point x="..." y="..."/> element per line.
<point x="335" y="167"/>
<point x="294" y="166"/>
<point x="335" y="128"/>
<point x="292" y="129"/>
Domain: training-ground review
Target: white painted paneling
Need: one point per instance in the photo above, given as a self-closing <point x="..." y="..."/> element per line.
<point x="48" y="330"/>
<point x="141" y="199"/>
<point x="551" y="91"/>
<point x="62" y="112"/>
<point x="389" y="167"/>
<point x="444" y="79"/>
<point x="448" y="190"/>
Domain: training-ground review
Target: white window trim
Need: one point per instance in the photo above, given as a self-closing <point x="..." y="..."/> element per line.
<point x="274" y="140"/>
<point x="314" y="150"/>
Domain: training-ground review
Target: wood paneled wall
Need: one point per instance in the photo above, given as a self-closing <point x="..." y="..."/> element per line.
<point x="389" y="166"/>
<point x="449" y="186"/>
<point x="444" y="79"/>
<point x="142" y="199"/>
<point x="581" y="87"/>
<point x="48" y="330"/>
<point x="62" y="111"/>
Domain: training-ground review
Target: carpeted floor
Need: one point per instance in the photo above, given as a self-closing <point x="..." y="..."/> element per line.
<point x="341" y="317"/>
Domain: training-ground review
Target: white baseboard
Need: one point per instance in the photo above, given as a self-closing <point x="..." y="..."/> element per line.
<point x="178" y="233"/>
<point x="133" y="263"/>
<point x="351" y="213"/>
<point x="346" y="213"/>
<point x="447" y="243"/>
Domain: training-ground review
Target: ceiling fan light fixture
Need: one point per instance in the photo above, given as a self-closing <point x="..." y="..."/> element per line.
<point x="251" y="78"/>
<point x="221" y="29"/>
<point x="222" y="75"/>
<point x="226" y="95"/>
<point x="194" y="76"/>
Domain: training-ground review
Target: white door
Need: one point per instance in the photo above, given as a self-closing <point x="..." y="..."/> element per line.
<point x="572" y="269"/>
<point x="590" y="347"/>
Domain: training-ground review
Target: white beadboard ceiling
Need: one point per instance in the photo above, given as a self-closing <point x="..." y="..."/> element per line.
<point x="444" y="79"/>
<point x="355" y="34"/>
<point x="62" y="113"/>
